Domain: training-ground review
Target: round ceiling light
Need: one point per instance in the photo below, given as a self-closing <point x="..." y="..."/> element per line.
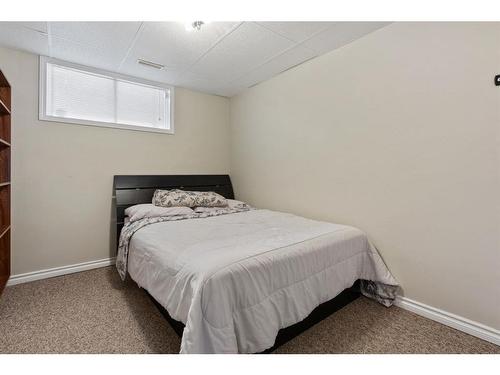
<point x="194" y="25"/>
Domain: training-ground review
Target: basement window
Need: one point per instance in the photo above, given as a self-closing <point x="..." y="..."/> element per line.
<point x="75" y="94"/>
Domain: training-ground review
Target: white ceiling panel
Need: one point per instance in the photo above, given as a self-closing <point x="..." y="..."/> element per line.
<point x="285" y="61"/>
<point x="169" y="76"/>
<point x="170" y="44"/>
<point x="117" y="36"/>
<point x="222" y="58"/>
<point x="14" y="35"/>
<point x="192" y="81"/>
<point x="36" y="26"/>
<point x="229" y="91"/>
<point x="297" y="31"/>
<point x="98" y="57"/>
<point x="249" y="46"/>
<point x="341" y="33"/>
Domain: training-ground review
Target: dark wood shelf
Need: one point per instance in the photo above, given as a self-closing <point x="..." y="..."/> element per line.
<point x="4" y="163"/>
<point x="4" y="231"/>
<point x="5" y="128"/>
<point x="4" y="110"/>
<point x="4" y="258"/>
<point x="5" y="185"/>
<point x="3" y="81"/>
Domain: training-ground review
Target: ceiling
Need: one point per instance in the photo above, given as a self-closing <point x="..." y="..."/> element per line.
<point x="222" y="58"/>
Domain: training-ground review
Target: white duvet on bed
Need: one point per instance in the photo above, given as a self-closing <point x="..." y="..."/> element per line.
<point x="235" y="280"/>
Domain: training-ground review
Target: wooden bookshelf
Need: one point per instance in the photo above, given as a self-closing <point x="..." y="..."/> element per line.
<point x="5" y="188"/>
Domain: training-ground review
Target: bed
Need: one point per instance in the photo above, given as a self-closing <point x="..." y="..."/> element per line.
<point x="247" y="280"/>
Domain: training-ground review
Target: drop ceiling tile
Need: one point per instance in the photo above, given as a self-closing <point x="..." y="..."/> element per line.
<point x="249" y="46"/>
<point x="230" y="91"/>
<point x="341" y="33"/>
<point x="36" y="26"/>
<point x="297" y="31"/>
<point x="168" y="76"/>
<point x="116" y="36"/>
<point x="170" y="44"/>
<point x="16" y="36"/>
<point x="98" y="57"/>
<point x="293" y="57"/>
<point x="192" y="81"/>
<point x="223" y="58"/>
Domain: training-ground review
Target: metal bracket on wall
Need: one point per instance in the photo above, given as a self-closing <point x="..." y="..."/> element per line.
<point x="497" y="80"/>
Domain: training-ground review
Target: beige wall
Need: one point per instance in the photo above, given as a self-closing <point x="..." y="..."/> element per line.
<point x="62" y="174"/>
<point x="398" y="134"/>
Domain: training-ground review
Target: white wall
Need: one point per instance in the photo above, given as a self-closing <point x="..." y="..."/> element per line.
<point x="397" y="133"/>
<point x="62" y="174"/>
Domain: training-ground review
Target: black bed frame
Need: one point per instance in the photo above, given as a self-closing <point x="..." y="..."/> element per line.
<point x="135" y="189"/>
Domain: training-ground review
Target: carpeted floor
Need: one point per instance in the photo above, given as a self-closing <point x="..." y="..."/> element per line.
<point x="94" y="312"/>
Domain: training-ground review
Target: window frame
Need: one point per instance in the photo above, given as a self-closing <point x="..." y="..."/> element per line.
<point x="42" y="92"/>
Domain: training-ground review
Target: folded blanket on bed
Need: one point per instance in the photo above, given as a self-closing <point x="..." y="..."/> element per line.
<point x="131" y="227"/>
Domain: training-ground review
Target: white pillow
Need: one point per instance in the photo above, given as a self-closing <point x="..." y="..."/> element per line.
<point x="141" y="211"/>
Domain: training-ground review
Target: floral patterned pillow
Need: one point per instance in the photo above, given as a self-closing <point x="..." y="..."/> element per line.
<point x="181" y="198"/>
<point x="209" y="199"/>
<point x="173" y="198"/>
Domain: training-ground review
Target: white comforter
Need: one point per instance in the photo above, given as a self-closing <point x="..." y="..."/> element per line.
<point x="235" y="280"/>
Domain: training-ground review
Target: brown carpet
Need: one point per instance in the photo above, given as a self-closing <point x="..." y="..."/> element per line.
<point x="94" y="312"/>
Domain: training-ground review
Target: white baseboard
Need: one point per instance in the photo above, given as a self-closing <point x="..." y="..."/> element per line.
<point x="58" y="271"/>
<point x="462" y="324"/>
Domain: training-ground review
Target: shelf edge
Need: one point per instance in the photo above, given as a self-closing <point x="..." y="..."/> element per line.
<point x="5" y="143"/>
<point x="2" y="104"/>
<point x="5" y="231"/>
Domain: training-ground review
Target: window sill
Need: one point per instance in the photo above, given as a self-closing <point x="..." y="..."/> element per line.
<point x="105" y="124"/>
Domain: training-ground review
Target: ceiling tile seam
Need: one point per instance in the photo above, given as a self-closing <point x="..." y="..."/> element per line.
<point x="72" y="41"/>
<point x="296" y="44"/>
<point x="302" y="41"/>
<point x="352" y="40"/>
<point x="294" y="66"/>
<point x="319" y="32"/>
<point x="316" y="53"/>
<point x="301" y="44"/>
<point x="273" y="76"/>
<point x="302" y="62"/>
<point x="49" y="38"/>
<point x="268" y="61"/>
<point x="349" y="40"/>
<point x="36" y="30"/>
<point x="275" y="32"/>
<point x="182" y="72"/>
<point x="132" y="44"/>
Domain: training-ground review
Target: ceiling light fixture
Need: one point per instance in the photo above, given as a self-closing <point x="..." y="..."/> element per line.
<point x="196" y="25"/>
<point x="151" y="64"/>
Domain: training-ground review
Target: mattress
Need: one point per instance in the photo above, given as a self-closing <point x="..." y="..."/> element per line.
<point x="235" y="280"/>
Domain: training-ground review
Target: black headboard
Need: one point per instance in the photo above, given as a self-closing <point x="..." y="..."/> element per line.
<point x="131" y="190"/>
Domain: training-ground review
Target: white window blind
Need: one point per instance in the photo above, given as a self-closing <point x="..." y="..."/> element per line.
<point x="84" y="96"/>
